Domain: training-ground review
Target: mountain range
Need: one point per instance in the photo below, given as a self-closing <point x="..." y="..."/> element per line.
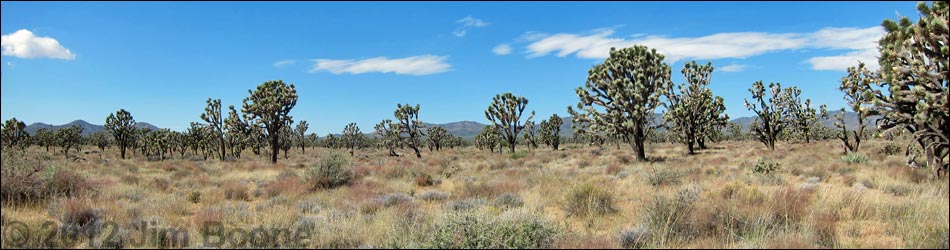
<point x="465" y="129"/>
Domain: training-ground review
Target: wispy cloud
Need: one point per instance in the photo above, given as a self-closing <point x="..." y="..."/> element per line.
<point x="24" y="44"/>
<point x="414" y="65"/>
<point x="733" y="68"/>
<point x="502" y="49"/>
<point x="467" y="23"/>
<point x="596" y="44"/>
<point x="283" y="63"/>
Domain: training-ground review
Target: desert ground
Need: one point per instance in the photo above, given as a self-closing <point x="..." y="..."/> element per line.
<point x="578" y="197"/>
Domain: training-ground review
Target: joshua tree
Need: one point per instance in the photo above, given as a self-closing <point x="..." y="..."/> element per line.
<point x="388" y="134"/>
<point x="14" y="134"/>
<point x="436" y="138"/>
<point x="531" y="134"/>
<point x="101" y="140"/>
<point x="772" y="116"/>
<point x="270" y="105"/>
<point x="352" y="137"/>
<point x="488" y="138"/>
<point x="69" y="137"/>
<point x="238" y="133"/>
<point x="694" y="113"/>
<point x="621" y="94"/>
<point x="914" y="71"/>
<point x="734" y="131"/>
<point x="300" y="134"/>
<point x="857" y="92"/>
<point x="212" y="116"/>
<point x="122" y="127"/>
<point x="802" y="116"/>
<point x="286" y="138"/>
<point x="45" y="137"/>
<point x="550" y="131"/>
<point x="505" y="113"/>
<point x="311" y="140"/>
<point x="409" y="126"/>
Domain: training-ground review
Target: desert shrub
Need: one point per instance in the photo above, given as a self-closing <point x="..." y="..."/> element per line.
<point x="332" y="171"/>
<point x="659" y="177"/>
<point x="466" y="204"/>
<point x="289" y="185"/>
<point x="309" y="205"/>
<point x="519" y="154"/>
<point x="433" y="195"/>
<point x="824" y="224"/>
<point x="235" y="191"/>
<point x="509" y="200"/>
<point x="613" y="169"/>
<point x="790" y="205"/>
<point x="79" y="219"/>
<point x="478" y="231"/>
<point x="670" y="215"/>
<point x="163" y="184"/>
<point x="635" y="238"/>
<point x="287" y="173"/>
<point x="890" y="149"/>
<point x="898" y="190"/>
<point x="206" y="218"/>
<point x="22" y="184"/>
<point x="424" y="179"/>
<point x="388" y="200"/>
<point x="765" y="166"/>
<point x="589" y="199"/>
<point x="855" y="158"/>
<point x="130" y="179"/>
<point x="488" y="189"/>
<point x="194" y="197"/>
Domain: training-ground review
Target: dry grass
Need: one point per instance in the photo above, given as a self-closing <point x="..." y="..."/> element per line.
<point x="577" y="197"/>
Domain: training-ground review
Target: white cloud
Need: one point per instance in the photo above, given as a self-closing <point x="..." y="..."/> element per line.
<point x="502" y="49"/>
<point x="283" y="63"/>
<point x="860" y="44"/>
<point x="414" y="65"/>
<point x="468" y="22"/>
<point x="733" y="68"/>
<point x="24" y="44"/>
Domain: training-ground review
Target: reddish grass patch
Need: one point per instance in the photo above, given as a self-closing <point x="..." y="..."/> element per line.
<point x="235" y="191"/>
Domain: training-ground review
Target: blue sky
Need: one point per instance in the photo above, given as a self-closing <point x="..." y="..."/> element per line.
<point x="354" y="61"/>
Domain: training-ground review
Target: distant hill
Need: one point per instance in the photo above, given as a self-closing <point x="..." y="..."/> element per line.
<point x="850" y="120"/>
<point x="87" y="128"/>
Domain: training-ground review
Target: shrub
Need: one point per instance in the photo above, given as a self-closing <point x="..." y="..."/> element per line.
<point x="890" y="149"/>
<point x="790" y="205"/>
<point x="477" y="231"/>
<point x="388" y="200"/>
<point x="670" y="215"/>
<point x="824" y="224"/>
<point x="466" y="204"/>
<point x="509" y="200"/>
<point x="659" y="177"/>
<point x="424" y="179"/>
<point x="765" y="166"/>
<point x="194" y="197"/>
<point x="433" y="195"/>
<point x="332" y="171"/>
<point x="78" y="216"/>
<point x="635" y="238"/>
<point x="589" y="199"/>
<point x="855" y="158"/>
<point x="235" y="191"/>
<point x="613" y="169"/>
<point x="519" y="154"/>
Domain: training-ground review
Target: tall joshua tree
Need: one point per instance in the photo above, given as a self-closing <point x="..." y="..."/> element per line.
<point x="69" y="137"/>
<point x="531" y="134"/>
<point x="436" y="138"/>
<point x="488" y="138"/>
<point x="621" y="94"/>
<point x="914" y="70"/>
<point x="45" y="137"/>
<point x="212" y="116"/>
<point x="270" y="105"/>
<point x="772" y="116"/>
<point x="550" y="131"/>
<point x="801" y="114"/>
<point x="505" y="113"/>
<point x="694" y="113"/>
<point x="300" y="133"/>
<point x="352" y="137"/>
<point x="409" y="126"/>
<point x="122" y="127"/>
<point x="857" y="93"/>
<point x="14" y="133"/>
<point x="238" y="132"/>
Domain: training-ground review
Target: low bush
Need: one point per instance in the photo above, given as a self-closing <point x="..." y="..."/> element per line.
<point x="332" y="171"/>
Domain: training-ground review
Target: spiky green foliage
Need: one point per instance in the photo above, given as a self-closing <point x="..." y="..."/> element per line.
<point x="212" y="116"/>
<point x="859" y="96"/>
<point x="300" y="135"/>
<point x="436" y="138"/>
<point x="68" y="138"/>
<point x="159" y="142"/>
<point x="122" y="127"/>
<point x="802" y="116"/>
<point x="195" y="134"/>
<point x="311" y="140"/>
<point x="44" y="138"/>
<point x="531" y="136"/>
<point x="693" y="113"/>
<point x="238" y="132"/>
<point x="352" y="137"/>
<point x="621" y="94"/>
<point x="330" y="141"/>
<point x="914" y="70"/>
<point x="269" y="105"/>
<point x="286" y="140"/>
<point x="489" y="138"/>
<point x="179" y="142"/>
<point x="409" y="126"/>
<point x="550" y="131"/>
<point x="734" y="131"/>
<point x="505" y="113"/>
<point x="771" y="113"/>
<point x="388" y="134"/>
<point x="14" y="134"/>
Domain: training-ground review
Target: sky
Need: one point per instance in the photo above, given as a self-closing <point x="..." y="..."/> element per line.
<point x="354" y="61"/>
